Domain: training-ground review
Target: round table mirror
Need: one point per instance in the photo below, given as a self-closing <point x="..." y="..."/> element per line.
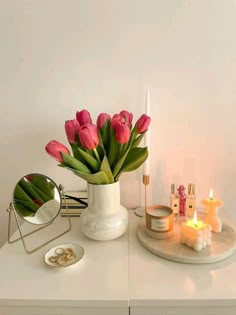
<point x="37" y="199"/>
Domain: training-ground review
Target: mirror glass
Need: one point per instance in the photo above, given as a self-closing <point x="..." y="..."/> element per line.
<point x="37" y="199"/>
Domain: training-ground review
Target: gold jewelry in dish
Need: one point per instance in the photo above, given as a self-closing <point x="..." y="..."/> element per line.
<point x="62" y="256"/>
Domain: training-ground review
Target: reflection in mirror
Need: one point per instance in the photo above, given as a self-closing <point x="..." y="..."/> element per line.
<point x="37" y="199"/>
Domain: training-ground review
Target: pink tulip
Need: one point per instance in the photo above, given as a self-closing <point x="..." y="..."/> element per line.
<point x="54" y="149"/>
<point x="101" y="120"/>
<point x="83" y="117"/>
<point x="72" y="128"/>
<point x="117" y="120"/>
<point x="143" y="123"/>
<point x="88" y="136"/>
<point x="127" y="116"/>
<point x="122" y="133"/>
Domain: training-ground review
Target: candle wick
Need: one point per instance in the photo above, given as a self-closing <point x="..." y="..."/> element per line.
<point x="195" y="225"/>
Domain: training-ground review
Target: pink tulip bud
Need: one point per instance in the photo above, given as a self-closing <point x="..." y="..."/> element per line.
<point x="143" y="123"/>
<point x="72" y="128"/>
<point x="127" y="116"/>
<point x="88" y="136"/>
<point x="122" y="133"/>
<point x="101" y="120"/>
<point x="83" y="117"/>
<point x="117" y="120"/>
<point x="54" y="149"/>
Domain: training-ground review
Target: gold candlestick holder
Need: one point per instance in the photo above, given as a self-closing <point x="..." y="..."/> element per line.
<point x="140" y="211"/>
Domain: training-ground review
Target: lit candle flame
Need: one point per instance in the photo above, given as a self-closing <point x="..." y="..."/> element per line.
<point x="195" y="218"/>
<point x="211" y="194"/>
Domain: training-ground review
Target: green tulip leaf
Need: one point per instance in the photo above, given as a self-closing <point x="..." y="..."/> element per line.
<point x="23" y="210"/>
<point x="76" y="154"/>
<point x="30" y="190"/>
<point x="105" y="167"/>
<point x="119" y="164"/>
<point x="114" y="150"/>
<point x="42" y="195"/>
<point x="99" y="178"/>
<point x="101" y="144"/>
<point x="90" y="160"/>
<point x="75" y="164"/>
<point x="105" y="134"/>
<point x="137" y="141"/>
<point x="45" y="187"/>
<point x="21" y="196"/>
<point x="134" y="159"/>
<point x="100" y="151"/>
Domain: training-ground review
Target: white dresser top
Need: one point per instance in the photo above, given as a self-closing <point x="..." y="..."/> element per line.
<point x="115" y="274"/>
<point x="100" y="278"/>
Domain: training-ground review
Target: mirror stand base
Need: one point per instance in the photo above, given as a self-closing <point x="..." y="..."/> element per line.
<point x="23" y="236"/>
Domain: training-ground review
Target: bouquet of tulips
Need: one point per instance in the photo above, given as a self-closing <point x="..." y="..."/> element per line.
<point x="101" y="152"/>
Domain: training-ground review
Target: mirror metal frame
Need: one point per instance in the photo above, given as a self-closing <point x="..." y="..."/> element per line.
<point x="22" y="236"/>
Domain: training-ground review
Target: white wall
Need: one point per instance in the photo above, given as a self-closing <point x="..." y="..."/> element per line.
<point x="60" y="56"/>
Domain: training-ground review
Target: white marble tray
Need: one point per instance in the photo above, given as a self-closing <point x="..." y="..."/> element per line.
<point x="222" y="246"/>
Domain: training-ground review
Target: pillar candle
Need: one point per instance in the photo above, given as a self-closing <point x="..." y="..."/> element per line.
<point x="211" y="210"/>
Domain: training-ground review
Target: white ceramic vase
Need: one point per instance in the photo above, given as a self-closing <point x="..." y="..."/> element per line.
<point x="104" y="219"/>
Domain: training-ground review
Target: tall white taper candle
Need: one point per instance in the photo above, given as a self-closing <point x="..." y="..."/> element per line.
<point x="146" y="166"/>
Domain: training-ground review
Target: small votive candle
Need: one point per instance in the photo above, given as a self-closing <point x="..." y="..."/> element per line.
<point x="196" y="233"/>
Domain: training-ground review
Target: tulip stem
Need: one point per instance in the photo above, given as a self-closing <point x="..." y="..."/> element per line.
<point x="96" y="154"/>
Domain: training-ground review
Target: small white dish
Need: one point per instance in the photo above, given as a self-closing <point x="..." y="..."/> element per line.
<point x="54" y="251"/>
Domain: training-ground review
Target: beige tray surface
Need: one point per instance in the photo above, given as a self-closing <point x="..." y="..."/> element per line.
<point x="222" y="245"/>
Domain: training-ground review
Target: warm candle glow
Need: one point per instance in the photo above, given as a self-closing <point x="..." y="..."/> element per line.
<point x="195" y="218"/>
<point x="195" y="223"/>
<point x="211" y="194"/>
<point x="195" y="233"/>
